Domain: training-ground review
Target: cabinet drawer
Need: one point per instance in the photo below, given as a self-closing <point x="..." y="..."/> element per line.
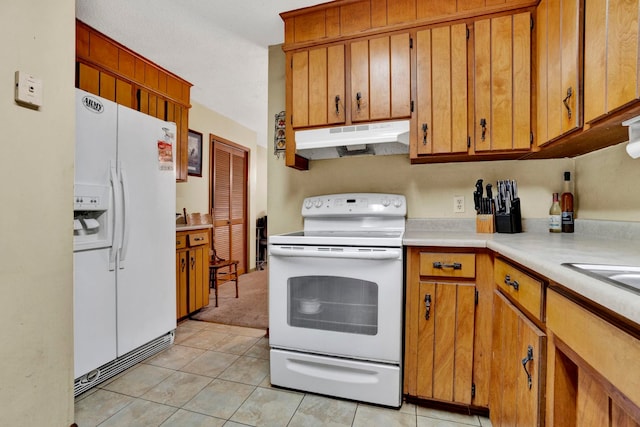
<point x="524" y="289"/>
<point x="441" y="264"/>
<point x="198" y="239"/>
<point x="181" y="241"/>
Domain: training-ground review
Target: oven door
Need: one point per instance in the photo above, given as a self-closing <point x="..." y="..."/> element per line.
<point x="340" y="301"/>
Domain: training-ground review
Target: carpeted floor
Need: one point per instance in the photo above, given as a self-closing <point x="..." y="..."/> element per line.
<point x="250" y="309"/>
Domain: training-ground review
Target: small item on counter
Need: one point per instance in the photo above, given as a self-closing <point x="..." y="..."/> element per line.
<point x="507" y="207"/>
<point x="555" y="215"/>
<point x="485" y="220"/>
<point x="567" y="205"/>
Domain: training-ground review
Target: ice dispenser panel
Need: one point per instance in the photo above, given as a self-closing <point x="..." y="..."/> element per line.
<point x="91" y="217"/>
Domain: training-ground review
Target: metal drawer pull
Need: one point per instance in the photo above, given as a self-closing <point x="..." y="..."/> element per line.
<point x="425" y="130"/>
<point x="337" y="100"/>
<point x="526" y="360"/>
<point x="565" y="101"/>
<point x="455" y="265"/>
<point x="515" y="284"/>
<point x="427" y="306"/>
<point x="197" y="239"/>
<point x="483" y="124"/>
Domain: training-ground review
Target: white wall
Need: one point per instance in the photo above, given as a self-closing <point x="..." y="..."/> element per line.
<point x="194" y="194"/>
<point x="607" y="185"/>
<point x="604" y="180"/>
<point x="36" y="170"/>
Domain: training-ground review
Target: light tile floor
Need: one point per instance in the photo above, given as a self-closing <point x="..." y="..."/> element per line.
<point x="218" y="375"/>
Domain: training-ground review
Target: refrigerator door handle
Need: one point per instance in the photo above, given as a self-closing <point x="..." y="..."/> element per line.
<point x="125" y="217"/>
<point x="115" y="244"/>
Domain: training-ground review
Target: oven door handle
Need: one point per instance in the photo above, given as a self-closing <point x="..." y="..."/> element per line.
<point x="328" y="253"/>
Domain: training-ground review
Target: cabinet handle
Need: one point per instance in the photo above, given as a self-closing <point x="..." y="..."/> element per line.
<point x="425" y="132"/>
<point x="337" y="105"/>
<point x="193" y="262"/>
<point x="483" y="123"/>
<point x="455" y="265"/>
<point x="509" y="282"/>
<point x="565" y="101"/>
<point x="427" y="306"/>
<point x="183" y="264"/>
<point x="197" y="239"/>
<point x="358" y="99"/>
<point x="526" y="360"/>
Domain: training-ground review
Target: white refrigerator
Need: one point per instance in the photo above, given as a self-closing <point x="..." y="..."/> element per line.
<point x="124" y="234"/>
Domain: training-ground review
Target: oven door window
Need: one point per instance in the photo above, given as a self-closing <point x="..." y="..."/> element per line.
<point x="330" y="303"/>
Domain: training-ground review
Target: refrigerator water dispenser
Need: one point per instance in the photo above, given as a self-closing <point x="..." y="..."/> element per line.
<point x="91" y="213"/>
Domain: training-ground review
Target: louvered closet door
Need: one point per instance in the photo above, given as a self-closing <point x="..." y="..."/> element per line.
<point x="230" y="202"/>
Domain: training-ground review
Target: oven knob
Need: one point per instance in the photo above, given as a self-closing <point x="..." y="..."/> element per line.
<point x="397" y="203"/>
<point x="308" y="203"/>
<point x="318" y="203"/>
<point x="385" y="202"/>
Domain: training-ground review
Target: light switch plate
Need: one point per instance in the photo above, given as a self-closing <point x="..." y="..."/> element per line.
<point x="28" y="89"/>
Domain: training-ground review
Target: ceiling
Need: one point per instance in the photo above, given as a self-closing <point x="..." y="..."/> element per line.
<point x="220" y="46"/>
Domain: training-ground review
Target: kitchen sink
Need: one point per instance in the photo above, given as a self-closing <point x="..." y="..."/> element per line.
<point x="625" y="276"/>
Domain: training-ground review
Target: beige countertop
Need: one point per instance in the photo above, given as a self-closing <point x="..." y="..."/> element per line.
<point x="186" y="227"/>
<point x="545" y="253"/>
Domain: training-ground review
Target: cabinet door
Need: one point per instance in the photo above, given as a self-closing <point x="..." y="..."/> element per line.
<point x="559" y="45"/>
<point x="380" y="74"/>
<point x="516" y="367"/>
<point x="441" y="107"/>
<point x="181" y="284"/>
<point x="445" y="341"/>
<point x="610" y="56"/>
<point x="198" y="275"/>
<point x="318" y="85"/>
<point x="502" y="52"/>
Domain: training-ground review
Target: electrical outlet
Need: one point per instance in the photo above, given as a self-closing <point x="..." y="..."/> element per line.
<point x="458" y="204"/>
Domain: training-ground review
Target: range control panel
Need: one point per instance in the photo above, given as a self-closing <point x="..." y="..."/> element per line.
<point x="355" y="204"/>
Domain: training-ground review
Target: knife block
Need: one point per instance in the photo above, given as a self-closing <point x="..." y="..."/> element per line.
<point x="485" y="223"/>
<point x="510" y="222"/>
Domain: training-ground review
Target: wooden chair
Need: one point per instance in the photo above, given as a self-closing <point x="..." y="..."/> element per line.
<point x="215" y="265"/>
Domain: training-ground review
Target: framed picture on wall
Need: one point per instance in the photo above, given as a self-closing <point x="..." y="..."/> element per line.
<point x="195" y="153"/>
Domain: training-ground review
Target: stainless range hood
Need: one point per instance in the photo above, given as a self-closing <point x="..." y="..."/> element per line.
<point x="372" y="138"/>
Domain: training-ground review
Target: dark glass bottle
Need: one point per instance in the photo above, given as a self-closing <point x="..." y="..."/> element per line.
<point x="566" y="201"/>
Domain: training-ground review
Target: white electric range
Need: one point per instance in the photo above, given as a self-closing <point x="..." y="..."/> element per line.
<point x="335" y="298"/>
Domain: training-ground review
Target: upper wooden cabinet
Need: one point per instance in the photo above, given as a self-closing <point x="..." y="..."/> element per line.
<point x="609" y="75"/>
<point x="559" y="89"/>
<point x="110" y="70"/>
<point x="318" y="82"/>
<point x="380" y="75"/>
<point x="441" y="91"/>
<point x="610" y="56"/>
<point x="502" y="92"/>
<point x="567" y="97"/>
<point x="348" y="18"/>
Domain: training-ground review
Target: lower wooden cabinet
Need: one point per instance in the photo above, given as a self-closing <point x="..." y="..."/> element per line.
<point x="517" y="367"/>
<point x="445" y="325"/>
<point x="447" y="332"/>
<point x="192" y="271"/>
<point x="593" y="374"/>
